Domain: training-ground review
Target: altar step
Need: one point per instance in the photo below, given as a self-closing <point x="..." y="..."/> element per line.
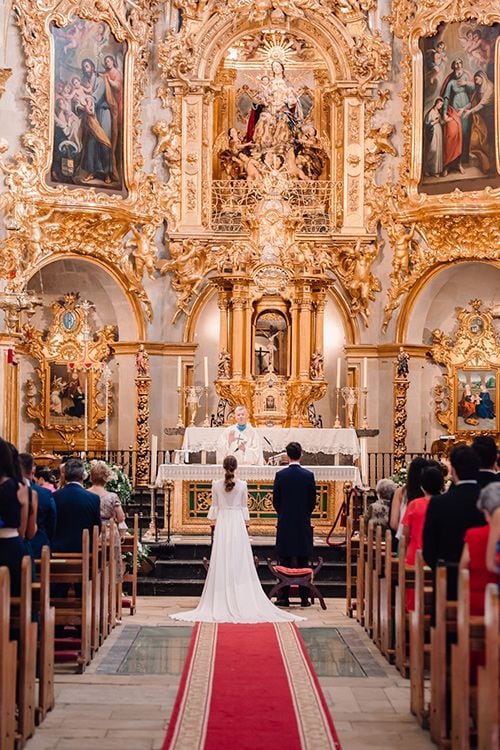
<point x="179" y="571"/>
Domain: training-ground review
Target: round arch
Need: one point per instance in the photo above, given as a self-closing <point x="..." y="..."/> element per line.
<point x="217" y="35"/>
<point x="410" y="304"/>
<point x="127" y="311"/>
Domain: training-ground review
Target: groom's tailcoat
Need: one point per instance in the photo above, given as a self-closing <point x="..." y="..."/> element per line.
<point x="294" y="498"/>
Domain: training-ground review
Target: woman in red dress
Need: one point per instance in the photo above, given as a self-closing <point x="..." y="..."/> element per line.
<point x="432" y="483"/>
<point x="475" y="546"/>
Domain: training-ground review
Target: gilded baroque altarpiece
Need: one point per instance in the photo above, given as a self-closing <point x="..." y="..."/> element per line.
<point x="445" y="207"/>
<point x="270" y="142"/>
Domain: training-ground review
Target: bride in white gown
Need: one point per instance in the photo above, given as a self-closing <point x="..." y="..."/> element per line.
<point x="232" y="591"/>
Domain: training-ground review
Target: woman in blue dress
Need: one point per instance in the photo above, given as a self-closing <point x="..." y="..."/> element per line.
<point x="484" y="406"/>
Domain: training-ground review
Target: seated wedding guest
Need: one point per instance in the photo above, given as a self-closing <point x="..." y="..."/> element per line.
<point x="486" y="450"/>
<point x="14" y="514"/>
<point x="493" y="547"/>
<point x="46" y="509"/>
<point x="450" y="515"/>
<point x="379" y="510"/>
<point x="432" y="483"/>
<point x="45" y="478"/>
<point x="475" y="548"/>
<point x="403" y="495"/>
<point x="240" y="440"/>
<point x="77" y="509"/>
<point x="111" y="507"/>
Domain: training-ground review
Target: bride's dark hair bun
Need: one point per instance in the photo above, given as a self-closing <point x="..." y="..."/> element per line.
<point x="229" y="465"/>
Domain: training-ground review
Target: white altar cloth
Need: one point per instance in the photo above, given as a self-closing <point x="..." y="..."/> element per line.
<point x="207" y="472"/>
<point x="275" y="439"/>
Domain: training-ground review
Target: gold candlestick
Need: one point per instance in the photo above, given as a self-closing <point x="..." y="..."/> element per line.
<point x="337" y="424"/>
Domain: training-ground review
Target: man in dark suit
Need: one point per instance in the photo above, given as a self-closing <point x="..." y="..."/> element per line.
<point x="486" y="450"/>
<point x="450" y="515"/>
<point x="294" y="499"/>
<point x="77" y="509"/>
<point x="46" y="510"/>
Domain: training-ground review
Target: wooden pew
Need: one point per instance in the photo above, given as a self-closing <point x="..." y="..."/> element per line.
<point x="26" y="634"/>
<point x="488" y="679"/>
<point x="406" y="578"/>
<point x="360" y="574"/>
<point x="442" y="634"/>
<point x="95" y="575"/>
<point x="103" y="602"/>
<point x="130" y="544"/>
<point x="420" y="619"/>
<point x="387" y="600"/>
<point x="111" y="597"/>
<point x="8" y="668"/>
<point x="352" y="552"/>
<point x="378" y="567"/>
<point x="472" y="642"/>
<point x="73" y="569"/>
<point x="46" y="630"/>
<point x="368" y="578"/>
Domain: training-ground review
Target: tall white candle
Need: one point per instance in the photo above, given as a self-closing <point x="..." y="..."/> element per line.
<point x="365" y="372"/>
<point x="339" y="363"/>
<point x="154" y="458"/>
<point x="205" y="369"/>
<point x="179" y="372"/>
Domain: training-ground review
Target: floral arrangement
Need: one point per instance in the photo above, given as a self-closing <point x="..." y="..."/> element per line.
<point x="142" y="555"/>
<point x="118" y="482"/>
<point x="401" y="476"/>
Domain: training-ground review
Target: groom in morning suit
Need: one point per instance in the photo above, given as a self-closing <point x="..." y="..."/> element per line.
<point x="294" y="499"/>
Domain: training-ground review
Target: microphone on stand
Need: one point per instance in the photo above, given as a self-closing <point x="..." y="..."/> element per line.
<point x="425" y="442"/>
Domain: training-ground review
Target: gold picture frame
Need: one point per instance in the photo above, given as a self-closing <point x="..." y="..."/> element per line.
<point x="113" y="225"/>
<point x="467" y="400"/>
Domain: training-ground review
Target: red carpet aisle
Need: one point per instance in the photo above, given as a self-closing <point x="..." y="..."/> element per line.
<point x="249" y="687"/>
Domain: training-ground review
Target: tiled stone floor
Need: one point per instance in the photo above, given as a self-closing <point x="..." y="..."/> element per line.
<point x="109" y="709"/>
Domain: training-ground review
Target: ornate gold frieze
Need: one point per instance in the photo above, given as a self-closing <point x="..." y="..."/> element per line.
<point x="467" y="400"/>
<point x="46" y="218"/>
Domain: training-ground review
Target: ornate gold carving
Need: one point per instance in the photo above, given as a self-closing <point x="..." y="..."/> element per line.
<point x="427" y="218"/>
<point x="400" y="385"/>
<point x="444" y="240"/>
<point x="5" y="74"/>
<point x="143" y="385"/>
<point x="474" y="346"/>
<point x="44" y="220"/>
<point x="69" y="350"/>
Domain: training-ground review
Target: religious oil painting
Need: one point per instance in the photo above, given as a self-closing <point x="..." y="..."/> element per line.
<point x="87" y="85"/>
<point x="477" y="400"/>
<point x="67" y="394"/>
<point x="460" y="98"/>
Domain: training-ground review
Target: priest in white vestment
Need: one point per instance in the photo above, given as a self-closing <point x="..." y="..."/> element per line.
<point x="240" y="440"/>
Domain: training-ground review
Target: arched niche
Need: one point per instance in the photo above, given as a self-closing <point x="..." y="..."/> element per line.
<point x="433" y="304"/>
<point x="219" y="34"/>
<point x="113" y="306"/>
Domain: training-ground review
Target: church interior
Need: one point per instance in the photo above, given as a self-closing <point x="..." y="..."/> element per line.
<point x="291" y="206"/>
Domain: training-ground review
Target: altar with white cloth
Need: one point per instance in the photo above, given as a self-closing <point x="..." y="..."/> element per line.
<point x="332" y="442"/>
<point x="189" y="486"/>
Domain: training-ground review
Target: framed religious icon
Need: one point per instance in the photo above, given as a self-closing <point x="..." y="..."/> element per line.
<point x="460" y="92"/>
<point x="466" y="396"/>
<point x="476" y="400"/>
<point x="87" y="132"/>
